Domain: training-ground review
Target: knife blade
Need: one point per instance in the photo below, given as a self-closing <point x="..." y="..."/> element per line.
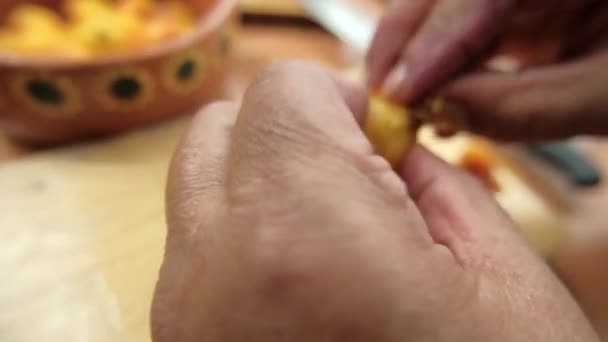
<point x="346" y="22"/>
<point x="566" y="159"/>
<point x="355" y="28"/>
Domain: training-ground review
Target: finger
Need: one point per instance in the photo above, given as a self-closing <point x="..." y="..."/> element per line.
<point x="294" y="110"/>
<point x="459" y="212"/>
<point x="538" y="35"/>
<point x="539" y="104"/>
<point x="482" y="238"/>
<point x="355" y="97"/>
<point x="591" y="30"/>
<point x="455" y="32"/>
<point x="401" y="20"/>
<point x="296" y="138"/>
<point x="196" y="176"/>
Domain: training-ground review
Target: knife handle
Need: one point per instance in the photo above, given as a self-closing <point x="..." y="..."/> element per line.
<point x="564" y="157"/>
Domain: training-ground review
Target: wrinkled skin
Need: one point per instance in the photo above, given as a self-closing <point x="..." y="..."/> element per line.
<point x="284" y="226"/>
<point x="444" y="47"/>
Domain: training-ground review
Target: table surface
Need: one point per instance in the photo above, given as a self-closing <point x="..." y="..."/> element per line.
<point x="580" y="263"/>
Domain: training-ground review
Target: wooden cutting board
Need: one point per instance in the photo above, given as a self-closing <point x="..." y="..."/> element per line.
<point x="293" y="9"/>
<point x="290" y="8"/>
<point x="82" y="238"/>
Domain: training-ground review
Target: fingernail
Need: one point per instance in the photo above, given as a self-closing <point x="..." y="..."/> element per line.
<point x="504" y="64"/>
<point x="395" y="80"/>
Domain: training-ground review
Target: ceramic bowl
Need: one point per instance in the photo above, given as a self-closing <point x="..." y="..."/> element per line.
<point x="49" y="101"/>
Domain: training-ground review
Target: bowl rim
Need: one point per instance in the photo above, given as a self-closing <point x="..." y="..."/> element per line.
<point x="216" y="15"/>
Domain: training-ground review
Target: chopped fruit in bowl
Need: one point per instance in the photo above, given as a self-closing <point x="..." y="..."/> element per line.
<point x="82" y="29"/>
<point x="77" y="69"/>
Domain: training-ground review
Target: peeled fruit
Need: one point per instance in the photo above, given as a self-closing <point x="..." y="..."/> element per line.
<point x="390" y="128"/>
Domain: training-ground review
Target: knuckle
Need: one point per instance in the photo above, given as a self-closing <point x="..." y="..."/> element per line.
<point x="273" y="92"/>
<point x="281" y="74"/>
<point x="285" y="67"/>
<point x="379" y="171"/>
<point x="297" y="105"/>
<point x="211" y="111"/>
<point x="216" y="106"/>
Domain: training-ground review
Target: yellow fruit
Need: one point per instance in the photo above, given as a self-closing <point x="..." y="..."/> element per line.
<point x="39" y="41"/>
<point x="157" y="29"/>
<point x="99" y="25"/>
<point x="107" y="33"/>
<point x="84" y="9"/>
<point x="29" y="17"/>
<point x="176" y="11"/>
<point x="32" y="43"/>
<point x="32" y="29"/>
<point x="93" y="27"/>
<point x="390" y="128"/>
<point x="8" y="41"/>
<point x="139" y="8"/>
<point x="173" y="19"/>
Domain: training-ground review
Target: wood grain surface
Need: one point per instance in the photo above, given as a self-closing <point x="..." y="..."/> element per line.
<point x="273" y="7"/>
<point x="82" y="230"/>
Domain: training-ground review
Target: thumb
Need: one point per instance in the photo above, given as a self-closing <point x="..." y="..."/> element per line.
<point x="459" y="211"/>
<point x="461" y="215"/>
<point x="295" y="113"/>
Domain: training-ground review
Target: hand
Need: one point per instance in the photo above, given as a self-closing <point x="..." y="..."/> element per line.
<point x="284" y="226"/>
<point x="550" y="57"/>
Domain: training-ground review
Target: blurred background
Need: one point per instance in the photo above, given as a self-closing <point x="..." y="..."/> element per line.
<point x="93" y="97"/>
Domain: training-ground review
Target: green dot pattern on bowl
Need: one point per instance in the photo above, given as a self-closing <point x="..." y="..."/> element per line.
<point x="45" y="91"/>
<point x="60" y="101"/>
<point x="187" y="69"/>
<point x="120" y="88"/>
<point x="125" y="88"/>
<point x="49" y="95"/>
